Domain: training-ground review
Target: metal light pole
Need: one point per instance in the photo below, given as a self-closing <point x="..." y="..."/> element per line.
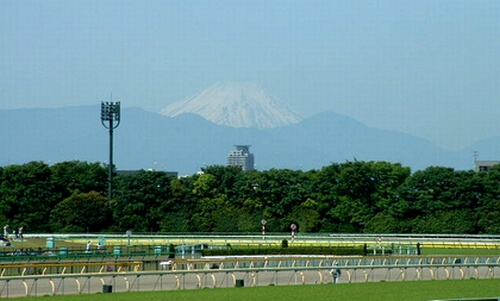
<point x="110" y="119"/>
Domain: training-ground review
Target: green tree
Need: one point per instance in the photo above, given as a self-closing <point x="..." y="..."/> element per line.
<point x="81" y="212"/>
<point x="182" y="205"/>
<point x="324" y="191"/>
<point x="248" y="199"/>
<point x="426" y="192"/>
<point x="365" y="189"/>
<point x="26" y="196"/>
<point x="72" y="176"/>
<point x="488" y="217"/>
<point x="141" y="201"/>
<point x="281" y="191"/>
<point x="225" y="176"/>
<point x="383" y="222"/>
<point x="488" y="207"/>
<point x="210" y="204"/>
<point x="445" y="222"/>
<point x="306" y="216"/>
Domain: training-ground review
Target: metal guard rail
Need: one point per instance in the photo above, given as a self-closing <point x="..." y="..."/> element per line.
<point x="302" y="268"/>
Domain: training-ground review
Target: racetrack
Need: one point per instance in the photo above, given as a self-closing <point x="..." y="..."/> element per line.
<point x="186" y="273"/>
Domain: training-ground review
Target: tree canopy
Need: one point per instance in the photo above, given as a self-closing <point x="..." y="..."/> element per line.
<point x="350" y="197"/>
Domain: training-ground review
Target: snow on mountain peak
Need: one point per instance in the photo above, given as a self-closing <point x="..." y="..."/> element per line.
<point x="240" y="105"/>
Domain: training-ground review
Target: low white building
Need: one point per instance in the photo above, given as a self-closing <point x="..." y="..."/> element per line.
<point x="485" y="165"/>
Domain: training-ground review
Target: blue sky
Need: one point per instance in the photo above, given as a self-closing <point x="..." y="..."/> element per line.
<point x="427" y="68"/>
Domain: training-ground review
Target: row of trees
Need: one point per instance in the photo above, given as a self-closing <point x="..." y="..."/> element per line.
<point x="350" y="197"/>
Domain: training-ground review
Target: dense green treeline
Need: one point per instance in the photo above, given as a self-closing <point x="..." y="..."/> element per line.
<point x="350" y="197"/>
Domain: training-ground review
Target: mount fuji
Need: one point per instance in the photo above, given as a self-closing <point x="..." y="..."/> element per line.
<point x="203" y="129"/>
<point x="238" y="105"/>
<point x="187" y="142"/>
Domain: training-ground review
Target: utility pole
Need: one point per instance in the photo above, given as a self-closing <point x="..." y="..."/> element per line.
<point x="476" y="154"/>
<point x="110" y="119"/>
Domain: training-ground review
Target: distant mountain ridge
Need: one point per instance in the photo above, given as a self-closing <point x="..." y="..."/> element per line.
<point x="188" y="142"/>
<point x="239" y="105"/>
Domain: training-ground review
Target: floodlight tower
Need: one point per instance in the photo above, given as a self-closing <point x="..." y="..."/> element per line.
<point x="110" y="119"/>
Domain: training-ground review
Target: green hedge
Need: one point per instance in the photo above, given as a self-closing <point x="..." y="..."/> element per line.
<point x="286" y="251"/>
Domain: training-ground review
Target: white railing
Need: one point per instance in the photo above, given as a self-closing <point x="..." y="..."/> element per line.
<point x="253" y="271"/>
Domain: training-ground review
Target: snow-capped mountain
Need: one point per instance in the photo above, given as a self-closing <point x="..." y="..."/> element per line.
<point x="239" y="105"/>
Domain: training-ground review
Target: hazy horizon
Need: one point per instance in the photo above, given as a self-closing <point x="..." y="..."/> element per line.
<point x="426" y="68"/>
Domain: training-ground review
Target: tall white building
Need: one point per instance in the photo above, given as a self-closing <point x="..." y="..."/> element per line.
<point x="242" y="157"/>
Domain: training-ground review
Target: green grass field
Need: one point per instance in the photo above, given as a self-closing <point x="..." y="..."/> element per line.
<point x="386" y="291"/>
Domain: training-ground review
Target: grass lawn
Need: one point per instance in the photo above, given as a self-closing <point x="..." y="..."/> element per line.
<point x="383" y="291"/>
